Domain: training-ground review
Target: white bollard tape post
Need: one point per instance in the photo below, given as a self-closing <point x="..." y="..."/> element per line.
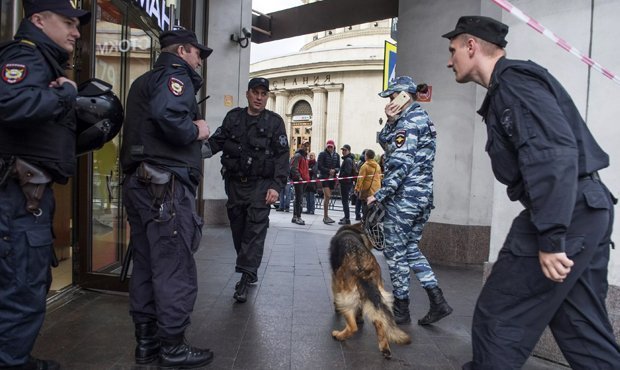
<point x="552" y="36"/>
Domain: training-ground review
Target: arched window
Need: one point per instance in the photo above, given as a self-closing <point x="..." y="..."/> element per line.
<point x="302" y="108"/>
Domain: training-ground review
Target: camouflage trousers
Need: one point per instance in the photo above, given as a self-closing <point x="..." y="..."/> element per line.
<point x="403" y="232"/>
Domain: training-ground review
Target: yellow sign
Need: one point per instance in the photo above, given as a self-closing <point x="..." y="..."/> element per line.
<point x="228" y="100"/>
<point x="389" y="63"/>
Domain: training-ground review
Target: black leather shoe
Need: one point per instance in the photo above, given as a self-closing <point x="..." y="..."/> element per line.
<point x="37" y="364"/>
<point x="241" y="289"/>
<point x="147" y="348"/>
<point x="183" y="356"/>
<point x="344" y="221"/>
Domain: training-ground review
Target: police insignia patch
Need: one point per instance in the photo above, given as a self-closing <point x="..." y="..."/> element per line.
<point x="283" y="140"/>
<point x="176" y="86"/>
<point x="14" y="73"/>
<point x="400" y="138"/>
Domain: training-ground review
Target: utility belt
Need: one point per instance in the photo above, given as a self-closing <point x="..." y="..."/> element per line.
<point x="31" y="178"/>
<point x="244" y="178"/>
<point x="156" y="178"/>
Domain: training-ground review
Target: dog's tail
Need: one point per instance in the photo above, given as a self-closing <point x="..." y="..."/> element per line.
<point x="378" y="308"/>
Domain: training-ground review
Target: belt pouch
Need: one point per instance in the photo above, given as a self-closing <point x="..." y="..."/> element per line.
<point x="156" y="178"/>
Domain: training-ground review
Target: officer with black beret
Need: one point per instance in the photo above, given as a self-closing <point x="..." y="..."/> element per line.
<point x="552" y="269"/>
<point x="255" y="167"/>
<point x="37" y="137"/>
<point x="162" y="164"/>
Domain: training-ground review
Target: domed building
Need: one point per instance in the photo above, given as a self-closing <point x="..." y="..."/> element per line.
<point x="328" y="90"/>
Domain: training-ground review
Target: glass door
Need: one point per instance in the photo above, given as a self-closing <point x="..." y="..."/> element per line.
<point x="123" y="50"/>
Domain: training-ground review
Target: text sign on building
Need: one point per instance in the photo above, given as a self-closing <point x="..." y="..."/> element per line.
<point x="389" y="63"/>
<point x="302" y="117"/>
<point x="156" y="9"/>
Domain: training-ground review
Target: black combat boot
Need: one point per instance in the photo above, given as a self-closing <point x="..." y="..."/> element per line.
<point x="177" y="353"/>
<point x="147" y="348"/>
<point x="241" y="288"/>
<point x="439" y="307"/>
<point x="401" y="311"/>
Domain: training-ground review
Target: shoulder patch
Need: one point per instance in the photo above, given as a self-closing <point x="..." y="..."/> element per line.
<point x="14" y="73"/>
<point x="400" y="138"/>
<point x="283" y="141"/>
<point x="176" y="86"/>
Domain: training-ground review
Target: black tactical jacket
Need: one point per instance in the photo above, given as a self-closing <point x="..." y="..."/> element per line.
<point x="37" y="123"/>
<point x="539" y="145"/>
<point x="253" y="146"/>
<point x="159" y="127"/>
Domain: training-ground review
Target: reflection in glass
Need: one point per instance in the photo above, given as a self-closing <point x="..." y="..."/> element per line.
<point x="122" y="53"/>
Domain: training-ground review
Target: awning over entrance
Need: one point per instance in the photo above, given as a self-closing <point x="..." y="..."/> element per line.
<point x="319" y="16"/>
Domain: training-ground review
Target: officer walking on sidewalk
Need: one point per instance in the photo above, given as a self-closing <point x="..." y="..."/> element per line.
<point x="162" y="163"/>
<point x="552" y="269"/>
<point x="255" y="167"/>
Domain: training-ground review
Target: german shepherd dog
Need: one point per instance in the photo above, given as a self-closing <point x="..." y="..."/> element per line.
<point x="358" y="288"/>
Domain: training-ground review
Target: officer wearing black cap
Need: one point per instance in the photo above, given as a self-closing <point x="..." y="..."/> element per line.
<point x="552" y="269"/>
<point x="162" y="164"/>
<point x="37" y="137"/>
<point x="255" y="167"/>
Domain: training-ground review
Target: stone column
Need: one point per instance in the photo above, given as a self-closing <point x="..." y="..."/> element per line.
<point x="280" y="108"/>
<point x="318" y="119"/>
<point x="332" y="128"/>
<point x="271" y="102"/>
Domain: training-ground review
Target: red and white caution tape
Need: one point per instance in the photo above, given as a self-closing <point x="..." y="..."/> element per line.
<point x="559" y="41"/>
<point x="331" y="179"/>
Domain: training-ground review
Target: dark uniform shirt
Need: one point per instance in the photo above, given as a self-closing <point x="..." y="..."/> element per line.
<point x="159" y="127"/>
<point x="37" y="123"/>
<point x="539" y="145"/>
<point x="253" y="147"/>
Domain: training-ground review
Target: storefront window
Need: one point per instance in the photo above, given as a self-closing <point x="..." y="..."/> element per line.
<point x="123" y="52"/>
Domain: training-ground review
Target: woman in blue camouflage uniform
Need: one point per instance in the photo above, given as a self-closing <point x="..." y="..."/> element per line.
<point x="408" y="139"/>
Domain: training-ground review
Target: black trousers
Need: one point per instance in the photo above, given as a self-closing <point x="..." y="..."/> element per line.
<point x="345" y="190"/>
<point x="299" y="198"/>
<point x="163" y="283"/>
<point x="249" y="220"/>
<point x="518" y="301"/>
<point x="25" y="276"/>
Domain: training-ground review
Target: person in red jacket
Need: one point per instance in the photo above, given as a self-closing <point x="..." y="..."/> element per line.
<point x="299" y="172"/>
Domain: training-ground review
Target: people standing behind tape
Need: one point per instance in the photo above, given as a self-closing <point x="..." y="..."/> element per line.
<point x="284" y="199"/>
<point x="329" y="165"/>
<point x="299" y="175"/>
<point x="358" y="202"/>
<point x="255" y="167"/>
<point x="37" y="147"/>
<point x="311" y="186"/>
<point x="552" y="269"/>
<point x="347" y="170"/>
<point x="408" y="139"/>
<point x="369" y="180"/>
<point x="162" y="162"/>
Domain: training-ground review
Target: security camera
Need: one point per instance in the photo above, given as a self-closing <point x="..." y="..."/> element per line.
<point x="246" y="33"/>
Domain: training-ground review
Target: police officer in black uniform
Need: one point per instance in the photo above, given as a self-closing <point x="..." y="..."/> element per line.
<point x="552" y="269"/>
<point x="255" y="153"/>
<point x="162" y="163"/>
<point x="37" y="137"/>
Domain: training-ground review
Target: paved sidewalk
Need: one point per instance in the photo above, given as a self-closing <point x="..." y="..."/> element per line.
<point x="285" y="324"/>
